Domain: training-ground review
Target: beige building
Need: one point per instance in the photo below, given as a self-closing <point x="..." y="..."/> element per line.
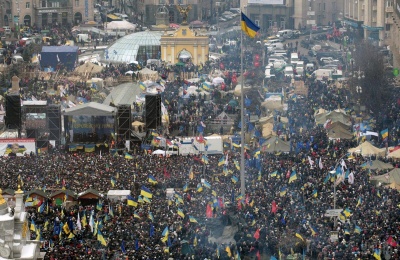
<point x="45" y="12"/>
<point x="183" y="45"/>
<point x="149" y="10"/>
<point x="394" y="34"/>
<point x="317" y="12"/>
<point x="371" y="18"/>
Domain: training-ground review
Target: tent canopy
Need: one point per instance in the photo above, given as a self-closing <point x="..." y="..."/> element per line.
<point x="391" y="178"/>
<point x="379" y="165"/>
<point x="274" y="144"/>
<point x="89" y="67"/>
<point x="121" y="25"/>
<point x="366" y="149"/>
<point x="123" y="94"/>
<point x="338" y="132"/>
<point x="336" y="116"/>
<point x="395" y="154"/>
<point x="91" y="109"/>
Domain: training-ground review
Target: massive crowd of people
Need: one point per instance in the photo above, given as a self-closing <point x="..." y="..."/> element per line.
<point x="281" y="213"/>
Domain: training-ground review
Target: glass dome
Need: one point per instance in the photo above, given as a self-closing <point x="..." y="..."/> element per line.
<point x="139" y="47"/>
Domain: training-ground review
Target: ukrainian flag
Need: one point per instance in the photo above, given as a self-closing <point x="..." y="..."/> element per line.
<point x="347" y="212"/>
<point x="357" y="229"/>
<point x="385" y="133"/>
<point x="346" y="232"/>
<point x="248" y="26"/>
<point x="146" y="192"/>
<point x="89" y="148"/>
<point x="180" y="213"/>
<point x="234" y="179"/>
<point x="147" y="200"/>
<point x="314" y="231"/>
<point x="136" y="215"/>
<point x="237" y="165"/>
<point x="206" y="86"/>
<point x="204" y="159"/>
<point x="293" y="177"/>
<point x="235" y="145"/>
<point x="140" y="199"/>
<point x="152" y="180"/>
<point x="315" y="193"/>
<point x="283" y="191"/>
<point x="207" y="185"/>
<point x="113" y="181"/>
<point x="199" y="187"/>
<point x="101" y="239"/>
<point x="257" y="153"/>
<point x="214" y="193"/>
<point x="274" y="174"/>
<point x="128" y="156"/>
<point x="131" y="201"/>
<point x="192" y="219"/>
<point x="185" y="188"/>
<point x="142" y="86"/>
<point x="221" y="161"/>
<point x="165" y="232"/>
<point x="377" y="254"/>
<point x="359" y="202"/>
<point x="225" y="171"/>
<point x="299" y="236"/>
<point x="151" y="217"/>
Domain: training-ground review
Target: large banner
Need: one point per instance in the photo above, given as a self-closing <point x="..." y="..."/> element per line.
<point x="17" y="147"/>
<point x="266" y="2"/>
<point x="102" y="125"/>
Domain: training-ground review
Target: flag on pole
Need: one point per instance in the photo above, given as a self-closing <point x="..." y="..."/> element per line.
<point x="248" y="26"/>
<point x="385" y="133"/>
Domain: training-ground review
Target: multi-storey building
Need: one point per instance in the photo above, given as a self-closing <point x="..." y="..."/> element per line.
<point x="317" y="12"/>
<point x="150" y="8"/>
<point x="18" y="13"/>
<point x="371" y="19"/>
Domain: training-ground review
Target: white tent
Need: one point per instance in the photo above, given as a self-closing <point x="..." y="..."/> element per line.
<point x="367" y="149"/>
<point x="121" y="25"/>
<point x="118" y="194"/>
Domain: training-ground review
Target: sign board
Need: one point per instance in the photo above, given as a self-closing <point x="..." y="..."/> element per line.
<point x="334" y="236"/>
<point x="312" y="22"/>
<point x="17" y="146"/>
<point x="266" y="2"/>
<point x="333" y="212"/>
<point x="310" y="13"/>
<point x="300" y="88"/>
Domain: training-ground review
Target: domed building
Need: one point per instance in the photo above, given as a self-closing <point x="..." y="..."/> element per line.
<point x="139" y="47"/>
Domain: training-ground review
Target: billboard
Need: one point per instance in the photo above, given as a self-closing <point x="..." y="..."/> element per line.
<point x="266" y="2"/>
<point x="17" y="147"/>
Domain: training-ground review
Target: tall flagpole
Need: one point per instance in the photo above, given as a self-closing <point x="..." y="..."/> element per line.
<point x="243" y="125"/>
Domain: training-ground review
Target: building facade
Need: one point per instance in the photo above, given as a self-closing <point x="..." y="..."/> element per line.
<point x="372" y="19"/>
<point x="183" y="45"/>
<point x="394" y="32"/>
<point x="270" y="15"/>
<point x="150" y="8"/>
<point x="318" y="12"/>
<point x="44" y="13"/>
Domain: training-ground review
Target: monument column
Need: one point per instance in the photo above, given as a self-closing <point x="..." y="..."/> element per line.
<point x="165" y="52"/>
<point x="203" y="54"/>
<point x="172" y="46"/>
<point x="195" y="60"/>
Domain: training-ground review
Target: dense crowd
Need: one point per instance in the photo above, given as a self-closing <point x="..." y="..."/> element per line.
<point x="281" y="213"/>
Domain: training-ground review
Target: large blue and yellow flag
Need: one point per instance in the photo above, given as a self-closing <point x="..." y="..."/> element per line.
<point x="248" y="26"/>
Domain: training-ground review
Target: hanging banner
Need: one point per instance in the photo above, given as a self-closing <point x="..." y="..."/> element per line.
<point x="17" y="147"/>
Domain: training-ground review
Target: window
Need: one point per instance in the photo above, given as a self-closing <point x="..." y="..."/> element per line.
<point x="180" y="2"/>
<point x="27" y="5"/>
<point x="76" y="3"/>
<point x="44" y="3"/>
<point x="161" y="2"/>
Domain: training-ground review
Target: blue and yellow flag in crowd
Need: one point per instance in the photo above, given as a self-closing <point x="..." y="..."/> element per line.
<point x="248" y="26"/>
<point x="142" y="86"/>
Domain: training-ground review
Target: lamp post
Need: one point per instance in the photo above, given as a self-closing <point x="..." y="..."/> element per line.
<point x="334" y="185"/>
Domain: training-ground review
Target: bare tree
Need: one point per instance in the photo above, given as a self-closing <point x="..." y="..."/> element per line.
<point x="369" y="72"/>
